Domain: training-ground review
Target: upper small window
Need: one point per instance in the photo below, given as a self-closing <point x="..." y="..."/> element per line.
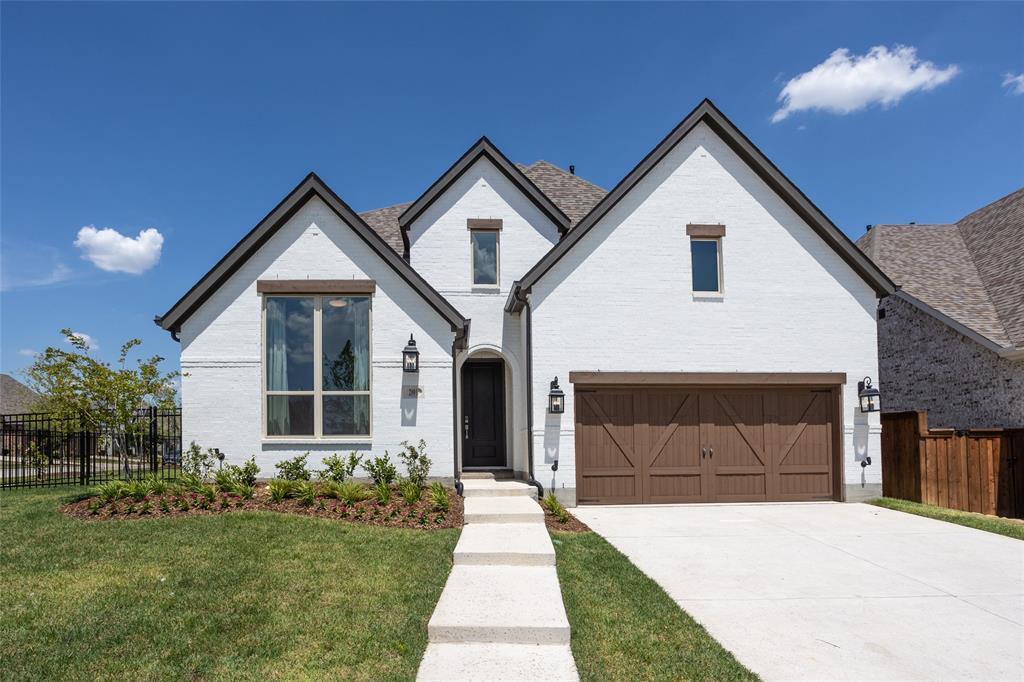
<point x="706" y="264"/>
<point x="485" y="257"/>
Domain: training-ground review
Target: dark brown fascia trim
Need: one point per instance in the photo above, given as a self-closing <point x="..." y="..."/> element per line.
<point x="484" y="224"/>
<point x="705" y="230"/>
<point x="706" y="111"/>
<point x="708" y="378"/>
<point x="311" y="186"/>
<point x="486" y="148"/>
<point x="316" y="286"/>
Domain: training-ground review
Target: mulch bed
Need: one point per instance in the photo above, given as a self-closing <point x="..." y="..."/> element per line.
<point x="573" y="525"/>
<point x="396" y="514"/>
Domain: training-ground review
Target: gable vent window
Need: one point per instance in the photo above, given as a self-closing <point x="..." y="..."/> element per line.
<point x="485" y="241"/>
<point x="706" y="257"/>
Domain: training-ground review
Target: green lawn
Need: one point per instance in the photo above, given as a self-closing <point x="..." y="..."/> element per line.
<point x="243" y="595"/>
<point x="1011" y="528"/>
<point x="625" y="627"/>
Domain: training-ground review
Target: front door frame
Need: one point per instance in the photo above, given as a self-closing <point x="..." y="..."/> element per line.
<point x="500" y="415"/>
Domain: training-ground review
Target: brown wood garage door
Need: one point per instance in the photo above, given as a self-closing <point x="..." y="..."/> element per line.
<point x="705" y="444"/>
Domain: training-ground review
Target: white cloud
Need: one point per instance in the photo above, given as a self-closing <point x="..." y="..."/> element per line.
<point x="1014" y="84"/>
<point x="90" y="343"/>
<point x="27" y="352"/>
<point x="845" y="83"/>
<point x="110" y="250"/>
<point x="26" y="265"/>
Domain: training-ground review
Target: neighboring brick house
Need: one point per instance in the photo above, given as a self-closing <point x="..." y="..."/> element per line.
<point x="951" y="341"/>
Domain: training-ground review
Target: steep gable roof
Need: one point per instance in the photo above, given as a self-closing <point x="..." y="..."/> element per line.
<point x="573" y="195"/>
<point x="310" y="186"/>
<point x="709" y="114"/>
<point x="971" y="271"/>
<point x="483" y="148"/>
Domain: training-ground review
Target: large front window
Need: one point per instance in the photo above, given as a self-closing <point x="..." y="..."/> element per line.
<point x="329" y="398"/>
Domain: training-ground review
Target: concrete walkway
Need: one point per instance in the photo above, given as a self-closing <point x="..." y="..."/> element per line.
<point x="500" y="616"/>
<point x="827" y="591"/>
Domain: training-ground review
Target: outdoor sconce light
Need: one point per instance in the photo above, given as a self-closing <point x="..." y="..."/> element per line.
<point x="869" y="396"/>
<point x="410" y="357"/>
<point x="556" y="399"/>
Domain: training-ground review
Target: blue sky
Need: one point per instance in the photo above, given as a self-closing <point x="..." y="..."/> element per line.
<point x="188" y="122"/>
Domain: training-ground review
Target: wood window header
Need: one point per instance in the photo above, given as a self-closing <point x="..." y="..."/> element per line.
<point x="705" y="230"/>
<point x="316" y="286"/>
<point x="709" y="378"/>
<point x="484" y="223"/>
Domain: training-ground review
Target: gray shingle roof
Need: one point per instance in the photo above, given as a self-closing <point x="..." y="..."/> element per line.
<point x="573" y="195"/>
<point x="15" y="397"/>
<point x="971" y="270"/>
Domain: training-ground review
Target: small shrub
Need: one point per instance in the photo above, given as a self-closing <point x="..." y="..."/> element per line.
<point x="381" y="470"/>
<point x="294" y="469"/>
<point x="279" y="489"/>
<point x="439" y="497"/>
<point x="245" y="474"/>
<point x="111" y="491"/>
<point x="411" y="491"/>
<point x="224" y="480"/>
<point x="130" y="509"/>
<point x="352" y="492"/>
<point x="183" y="504"/>
<point x="383" y="493"/>
<point x="189" y="483"/>
<point x="146" y="508"/>
<point x="244" y="490"/>
<point x="198" y="463"/>
<point x="225" y="502"/>
<point x="138" y="489"/>
<point x="339" y="470"/>
<point x="417" y="464"/>
<point x="330" y="488"/>
<point x="551" y="503"/>
<point x="305" y="493"/>
<point x="157" y="486"/>
<point x="208" y="492"/>
<point x="164" y="507"/>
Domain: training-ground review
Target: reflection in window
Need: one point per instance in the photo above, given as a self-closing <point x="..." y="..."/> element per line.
<point x="341" y="391"/>
<point x="485" y="256"/>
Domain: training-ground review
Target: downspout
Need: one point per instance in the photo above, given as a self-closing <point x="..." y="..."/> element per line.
<point x="529" y="395"/>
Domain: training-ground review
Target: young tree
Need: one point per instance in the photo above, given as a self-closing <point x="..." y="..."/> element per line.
<point x="87" y="394"/>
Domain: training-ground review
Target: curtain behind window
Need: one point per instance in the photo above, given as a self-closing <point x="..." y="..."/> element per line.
<point x="277" y="366"/>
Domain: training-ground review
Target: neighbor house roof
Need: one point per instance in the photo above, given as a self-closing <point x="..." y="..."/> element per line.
<point x="570" y="193"/>
<point x="310" y="186"/>
<point x="15" y="397"/>
<point x="706" y="112"/>
<point x="971" y="271"/>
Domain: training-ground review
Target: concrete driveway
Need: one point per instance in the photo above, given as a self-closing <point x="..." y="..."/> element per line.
<point x="827" y="591"/>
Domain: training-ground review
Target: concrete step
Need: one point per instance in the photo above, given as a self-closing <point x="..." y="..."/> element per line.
<point x="491" y="662"/>
<point x="505" y="544"/>
<point x="491" y="488"/>
<point x="518" y="509"/>
<point x="477" y="476"/>
<point x="500" y="604"/>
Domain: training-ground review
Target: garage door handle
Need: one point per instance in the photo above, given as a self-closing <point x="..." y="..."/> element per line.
<point x="711" y="452"/>
<point x="703" y="453"/>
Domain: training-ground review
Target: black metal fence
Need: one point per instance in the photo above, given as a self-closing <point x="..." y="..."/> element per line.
<point x="46" y="450"/>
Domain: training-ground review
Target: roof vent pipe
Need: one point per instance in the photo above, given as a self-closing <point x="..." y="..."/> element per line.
<point x="572" y="169"/>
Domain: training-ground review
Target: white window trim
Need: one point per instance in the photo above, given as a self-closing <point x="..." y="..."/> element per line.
<point x="497" y="260"/>
<point x="318" y="393"/>
<point x="720" y="292"/>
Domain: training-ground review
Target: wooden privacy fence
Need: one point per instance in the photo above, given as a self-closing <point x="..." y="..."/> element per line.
<point x="977" y="470"/>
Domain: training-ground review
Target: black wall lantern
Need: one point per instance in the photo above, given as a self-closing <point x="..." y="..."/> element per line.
<point x="869" y="396"/>
<point x="410" y="356"/>
<point x="556" y="398"/>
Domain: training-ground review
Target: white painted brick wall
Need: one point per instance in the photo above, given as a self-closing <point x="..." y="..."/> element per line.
<point x="621" y="299"/>
<point x="221" y="347"/>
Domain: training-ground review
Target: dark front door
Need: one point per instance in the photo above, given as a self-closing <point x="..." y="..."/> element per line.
<point x="483" y="414"/>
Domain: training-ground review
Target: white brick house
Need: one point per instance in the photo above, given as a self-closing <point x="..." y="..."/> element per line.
<point x="707" y="324"/>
